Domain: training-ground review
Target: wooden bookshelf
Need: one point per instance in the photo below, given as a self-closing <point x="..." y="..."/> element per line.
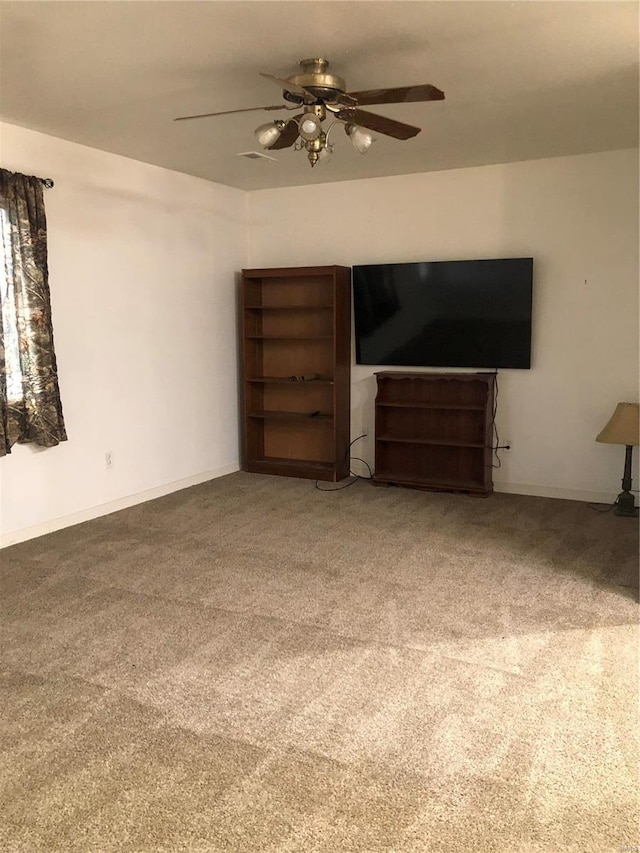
<point x="296" y="328"/>
<point x="434" y="431"/>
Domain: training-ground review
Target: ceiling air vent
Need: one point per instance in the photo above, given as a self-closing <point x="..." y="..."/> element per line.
<point x="256" y="155"/>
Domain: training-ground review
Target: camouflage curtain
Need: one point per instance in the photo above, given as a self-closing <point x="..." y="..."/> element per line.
<point x="30" y="407"/>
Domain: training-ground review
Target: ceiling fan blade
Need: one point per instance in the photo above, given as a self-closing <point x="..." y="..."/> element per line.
<point x="399" y="95"/>
<point x="291" y="87"/>
<point x="288" y="135"/>
<point x="229" y="112"/>
<point x="381" y="124"/>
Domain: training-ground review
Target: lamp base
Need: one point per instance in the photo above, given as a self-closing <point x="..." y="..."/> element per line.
<point x="626" y="505"/>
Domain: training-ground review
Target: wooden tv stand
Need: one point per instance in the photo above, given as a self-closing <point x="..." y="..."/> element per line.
<point x="435" y="431"/>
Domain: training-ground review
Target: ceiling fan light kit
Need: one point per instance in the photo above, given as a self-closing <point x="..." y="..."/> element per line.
<point x="317" y="92"/>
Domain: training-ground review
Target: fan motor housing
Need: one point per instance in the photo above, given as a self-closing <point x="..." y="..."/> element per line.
<point x="317" y="81"/>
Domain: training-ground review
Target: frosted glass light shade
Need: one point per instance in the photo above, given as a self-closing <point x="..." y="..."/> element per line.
<point x="360" y="138"/>
<point x="623" y="426"/>
<point x="268" y="133"/>
<point x="309" y="127"/>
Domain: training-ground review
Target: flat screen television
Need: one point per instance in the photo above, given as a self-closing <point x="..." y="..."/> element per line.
<point x="473" y="314"/>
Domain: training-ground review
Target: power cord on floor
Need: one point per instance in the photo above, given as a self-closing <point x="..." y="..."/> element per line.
<point x="349" y="459"/>
<point x="606" y="509"/>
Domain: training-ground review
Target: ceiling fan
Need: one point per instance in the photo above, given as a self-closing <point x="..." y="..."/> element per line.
<point x="317" y="93"/>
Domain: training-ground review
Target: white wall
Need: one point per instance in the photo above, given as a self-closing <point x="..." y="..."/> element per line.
<point x="576" y="216"/>
<point x="143" y="270"/>
<point x="143" y="265"/>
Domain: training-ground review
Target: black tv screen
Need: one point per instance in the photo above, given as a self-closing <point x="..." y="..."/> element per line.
<point x="474" y="314"/>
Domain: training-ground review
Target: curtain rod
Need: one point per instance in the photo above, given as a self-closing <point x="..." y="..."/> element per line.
<point x="46" y="182"/>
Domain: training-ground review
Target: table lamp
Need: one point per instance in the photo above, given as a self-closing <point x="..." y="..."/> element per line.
<point x="623" y="428"/>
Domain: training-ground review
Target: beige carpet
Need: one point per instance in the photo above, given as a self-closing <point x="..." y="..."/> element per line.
<point x="255" y="665"/>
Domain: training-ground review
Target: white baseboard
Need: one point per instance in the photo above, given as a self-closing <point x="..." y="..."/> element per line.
<point x="553" y="492"/>
<point x="159" y="491"/>
<point x="112" y="506"/>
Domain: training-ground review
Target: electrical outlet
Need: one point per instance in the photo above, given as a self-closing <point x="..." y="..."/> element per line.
<point x="108" y="459"/>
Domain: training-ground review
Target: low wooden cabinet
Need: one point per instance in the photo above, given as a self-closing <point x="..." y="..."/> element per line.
<point x="296" y="371"/>
<point x="435" y="431"/>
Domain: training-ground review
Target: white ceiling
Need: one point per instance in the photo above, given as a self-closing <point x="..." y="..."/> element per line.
<point x="522" y="79"/>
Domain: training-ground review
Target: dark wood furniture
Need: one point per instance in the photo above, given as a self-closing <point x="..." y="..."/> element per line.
<point x="435" y="431"/>
<point x="296" y="371"/>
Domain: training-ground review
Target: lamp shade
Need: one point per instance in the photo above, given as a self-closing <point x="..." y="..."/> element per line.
<point x="310" y="126"/>
<point x="360" y="138"/>
<point x="623" y="426"/>
<point x="267" y="134"/>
